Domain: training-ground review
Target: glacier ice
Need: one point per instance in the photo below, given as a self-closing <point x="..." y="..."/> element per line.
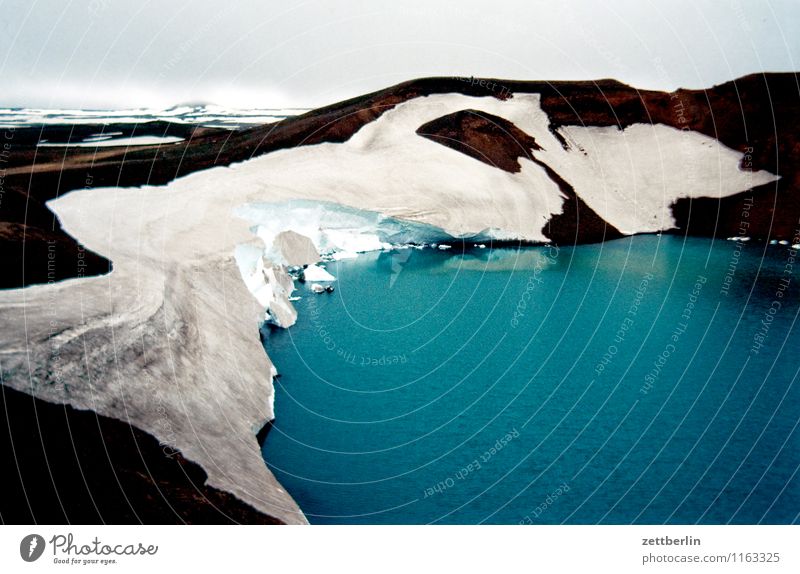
<point x="296" y="233"/>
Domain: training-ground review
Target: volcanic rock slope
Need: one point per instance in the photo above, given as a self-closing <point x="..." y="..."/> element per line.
<point x="167" y="342"/>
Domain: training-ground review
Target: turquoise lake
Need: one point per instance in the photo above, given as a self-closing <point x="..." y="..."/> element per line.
<point x="651" y="380"/>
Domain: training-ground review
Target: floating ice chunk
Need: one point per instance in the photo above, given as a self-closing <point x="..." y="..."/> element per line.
<point x="796" y="246"/>
<point x="293" y="249"/>
<point x="339" y="255"/>
<point x="773" y="242"/>
<point x="317" y="288"/>
<point x="444" y="247"/>
<point x="317" y="273"/>
<point x="783" y="242"/>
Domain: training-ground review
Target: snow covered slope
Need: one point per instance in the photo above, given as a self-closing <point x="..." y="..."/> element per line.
<point x="168" y="340"/>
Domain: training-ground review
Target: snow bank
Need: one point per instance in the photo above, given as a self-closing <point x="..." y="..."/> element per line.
<point x="316" y="273"/>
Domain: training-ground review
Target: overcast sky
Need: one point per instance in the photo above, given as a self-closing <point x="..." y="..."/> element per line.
<point x="273" y="53"/>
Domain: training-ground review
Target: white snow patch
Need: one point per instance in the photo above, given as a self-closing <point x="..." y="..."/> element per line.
<point x="132" y="141"/>
<point x="317" y="273"/>
<point x="269" y="284"/>
<point x="212" y="115"/>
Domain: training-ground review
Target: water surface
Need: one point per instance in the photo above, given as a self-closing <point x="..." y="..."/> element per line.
<point x="645" y="380"/>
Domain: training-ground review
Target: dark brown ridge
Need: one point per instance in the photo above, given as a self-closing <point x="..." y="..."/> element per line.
<point x="499" y="143"/>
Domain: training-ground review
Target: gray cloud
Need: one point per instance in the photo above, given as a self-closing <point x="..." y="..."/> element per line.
<point x="125" y="53"/>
